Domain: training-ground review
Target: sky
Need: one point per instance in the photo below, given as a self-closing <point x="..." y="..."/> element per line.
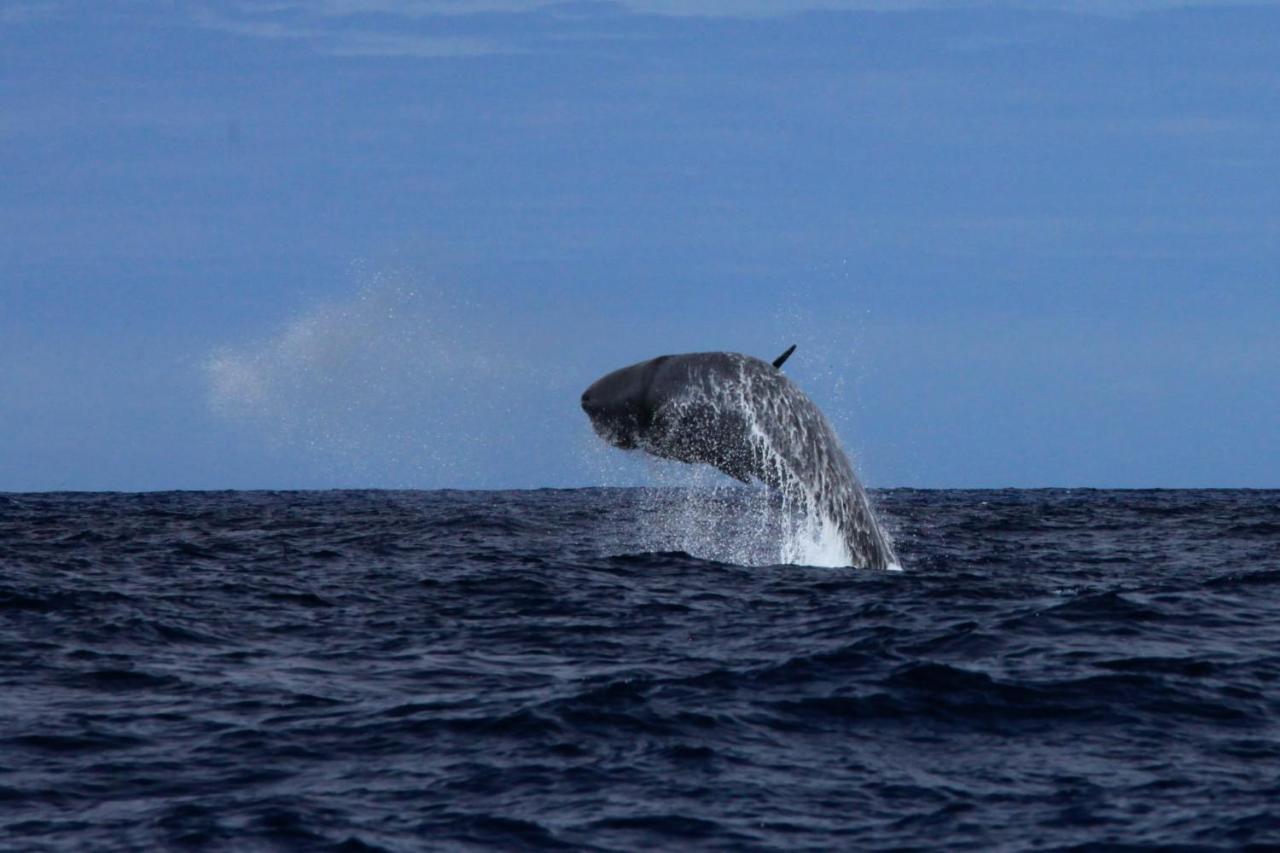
<point x="387" y="243"/>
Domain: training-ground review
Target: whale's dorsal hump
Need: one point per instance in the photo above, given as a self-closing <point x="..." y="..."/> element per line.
<point x="778" y="362"/>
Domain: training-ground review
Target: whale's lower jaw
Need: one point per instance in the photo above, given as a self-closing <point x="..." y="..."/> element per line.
<point x="613" y="435"/>
<point x="617" y="439"/>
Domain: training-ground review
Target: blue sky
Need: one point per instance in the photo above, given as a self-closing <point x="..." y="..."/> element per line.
<point x="387" y="242"/>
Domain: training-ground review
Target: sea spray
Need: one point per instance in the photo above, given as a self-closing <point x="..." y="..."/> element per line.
<point x="697" y="511"/>
<point x="402" y="383"/>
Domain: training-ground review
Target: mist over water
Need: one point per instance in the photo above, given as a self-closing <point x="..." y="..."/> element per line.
<point x="402" y="382"/>
<point x="696" y="510"/>
<point x="406" y="383"/>
<point x="745" y="526"/>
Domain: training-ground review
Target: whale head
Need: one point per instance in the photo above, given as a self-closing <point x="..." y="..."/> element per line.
<point x="620" y="404"/>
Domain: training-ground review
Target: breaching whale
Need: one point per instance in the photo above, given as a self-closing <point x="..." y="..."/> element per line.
<point x="743" y="416"/>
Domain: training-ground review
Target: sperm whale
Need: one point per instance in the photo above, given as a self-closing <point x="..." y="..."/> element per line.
<point x="744" y="417"/>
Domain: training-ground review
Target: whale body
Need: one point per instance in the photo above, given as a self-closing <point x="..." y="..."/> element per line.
<point x="744" y="417"/>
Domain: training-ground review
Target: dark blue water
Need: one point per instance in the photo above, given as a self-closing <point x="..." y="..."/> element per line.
<point x="409" y="670"/>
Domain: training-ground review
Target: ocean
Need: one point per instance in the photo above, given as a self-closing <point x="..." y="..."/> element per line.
<point x="598" y="669"/>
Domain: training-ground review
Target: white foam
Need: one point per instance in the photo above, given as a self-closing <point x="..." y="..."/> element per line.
<point x="815" y="541"/>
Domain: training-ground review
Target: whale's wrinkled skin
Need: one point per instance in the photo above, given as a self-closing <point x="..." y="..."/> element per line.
<point x="744" y="417"/>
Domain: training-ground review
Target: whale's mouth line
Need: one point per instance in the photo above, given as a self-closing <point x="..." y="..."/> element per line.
<point x="612" y="436"/>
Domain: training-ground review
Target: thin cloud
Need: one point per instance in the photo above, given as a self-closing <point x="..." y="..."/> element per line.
<point x="729" y="8"/>
<point x="355" y="42"/>
<point x="388" y="44"/>
<point x="23" y="13"/>
<point x="420" y="28"/>
<point x="399" y="382"/>
<point x="414" y="8"/>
